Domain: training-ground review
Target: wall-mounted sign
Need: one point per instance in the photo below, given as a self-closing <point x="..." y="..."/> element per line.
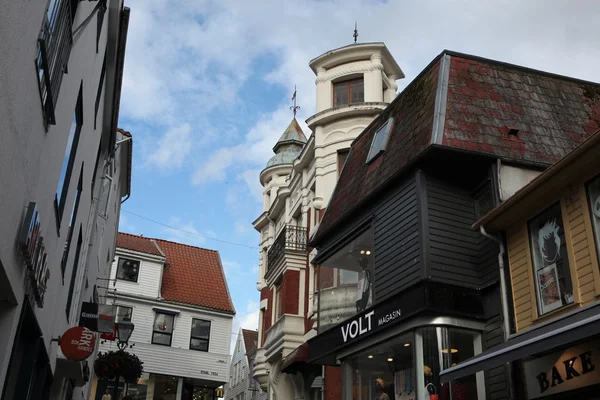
<point x="564" y="370"/>
<point x="98" y="317"/>
<point x="34" y="253"/>
<point x="209" y="373"/>
<point x="78" y="343"/>
<point x="218" y="392"/>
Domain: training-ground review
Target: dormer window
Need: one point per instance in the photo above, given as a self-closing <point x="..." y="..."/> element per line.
<point x="380" y="140"/>
<point x="348" y="92"/>
<point x="128" y="270"/>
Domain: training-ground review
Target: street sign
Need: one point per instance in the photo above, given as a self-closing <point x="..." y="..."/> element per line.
<point x="78" y="343"/>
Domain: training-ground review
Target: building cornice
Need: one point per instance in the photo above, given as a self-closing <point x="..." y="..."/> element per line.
<point x="139" y="254"/>
<point x="174" y="304"/>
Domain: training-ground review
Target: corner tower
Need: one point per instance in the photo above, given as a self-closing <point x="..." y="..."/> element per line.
<point x="354" y="83"/>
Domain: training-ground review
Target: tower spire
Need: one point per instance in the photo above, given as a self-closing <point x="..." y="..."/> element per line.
<point x="355" y="32"/>
<point x="294" y="107"/>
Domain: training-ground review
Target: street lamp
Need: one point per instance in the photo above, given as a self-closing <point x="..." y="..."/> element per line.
<point x="124" y="331"/>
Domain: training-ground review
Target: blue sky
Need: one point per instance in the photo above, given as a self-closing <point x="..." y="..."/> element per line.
<point x="207" y="89"/>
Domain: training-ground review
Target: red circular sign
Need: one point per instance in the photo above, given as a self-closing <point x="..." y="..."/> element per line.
<point x="78" y="343"/>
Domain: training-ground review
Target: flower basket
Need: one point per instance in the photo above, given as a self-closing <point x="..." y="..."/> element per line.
<point x="120" y="363"/>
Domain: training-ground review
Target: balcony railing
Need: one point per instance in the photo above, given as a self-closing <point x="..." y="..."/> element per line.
<point x="291" y="238"/>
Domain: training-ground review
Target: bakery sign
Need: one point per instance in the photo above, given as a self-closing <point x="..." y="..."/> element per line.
<point x="561" y="371"/>
<point x="34" y="253"/>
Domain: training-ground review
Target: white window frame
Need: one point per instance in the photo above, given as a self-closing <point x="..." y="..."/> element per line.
<point x="385" y="130"/>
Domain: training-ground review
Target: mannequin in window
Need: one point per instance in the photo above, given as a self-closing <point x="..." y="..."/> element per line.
<point x="430" y="392"/>
<point x="365" y="289"/>
<point x="379" y="393"/>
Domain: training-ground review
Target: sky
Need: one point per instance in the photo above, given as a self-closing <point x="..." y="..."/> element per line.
<point x="207" y="88"/>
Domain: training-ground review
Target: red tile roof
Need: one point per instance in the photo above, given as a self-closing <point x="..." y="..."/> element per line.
<point x="137" y="243"/>
<point x="483" y="100"/>
<point x="250" y="339"/>
<point x="195" y="275"/>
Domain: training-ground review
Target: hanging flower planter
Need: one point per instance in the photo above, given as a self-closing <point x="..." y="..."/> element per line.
<point x="120" y="363"/>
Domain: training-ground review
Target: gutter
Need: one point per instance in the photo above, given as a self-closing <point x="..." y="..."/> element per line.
<point x="123" y="28"/>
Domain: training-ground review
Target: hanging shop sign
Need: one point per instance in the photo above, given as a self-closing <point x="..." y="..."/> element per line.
<point x="98" y="317"/>
<point x="34" y="253"/>
<point x="561" y="371"/>
<point x="78" y="343"/>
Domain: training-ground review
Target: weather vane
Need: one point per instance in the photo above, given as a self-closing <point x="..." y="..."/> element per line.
<point x="355" y="32"/>
<point x="294" y="108"/>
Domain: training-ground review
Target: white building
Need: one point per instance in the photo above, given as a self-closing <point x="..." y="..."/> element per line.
<point x="64" y="172"/>
<point x="354" y="83"/>
<point x="242" y="385"/>
<point x="177" y="297"/>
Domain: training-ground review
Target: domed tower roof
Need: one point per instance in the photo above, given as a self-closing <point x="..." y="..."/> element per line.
<point x="289" y="145"/>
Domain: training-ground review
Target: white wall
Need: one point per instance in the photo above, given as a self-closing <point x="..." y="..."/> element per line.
<point x="149" y="275"/>
<point x="178" y="359"/>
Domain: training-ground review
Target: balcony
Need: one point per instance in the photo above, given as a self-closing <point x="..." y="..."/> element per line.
<point x="291" y="240"/>
<point x="284" y="337"/>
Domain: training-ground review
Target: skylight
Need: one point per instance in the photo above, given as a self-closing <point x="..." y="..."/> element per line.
<point x="380" y="140"/>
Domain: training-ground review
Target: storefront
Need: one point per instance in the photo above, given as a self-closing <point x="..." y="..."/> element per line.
<point x="155" y="387"/>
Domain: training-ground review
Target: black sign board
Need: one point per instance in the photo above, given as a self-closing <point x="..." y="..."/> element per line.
<point x="424" y="297"/>
<point x="97" y="317"/>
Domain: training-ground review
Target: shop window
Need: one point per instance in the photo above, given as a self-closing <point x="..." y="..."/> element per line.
<point x="128" y="270"/>
<point x="552" y="274"/>
<point x="200" y="335"/>
<point x="124" y="314"/>
<point x="380" y="140"/>
<point x="165" y="387"/>
<point x="162" y="331"/>
<point x="348" y="92"/>
<point x="593" y="193"/>
<point x="442" y="349"/>
<point x="385" y="372"/>
<point x="66" y="168"/>
<point x="345" y="282"/>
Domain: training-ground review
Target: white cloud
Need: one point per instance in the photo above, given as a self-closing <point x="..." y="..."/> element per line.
<point x="172" y="148"/>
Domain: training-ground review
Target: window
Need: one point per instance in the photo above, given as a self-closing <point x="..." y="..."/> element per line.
<point x="106" y="189"/>
<point x="593" y="192"/>
<point x="552" y="273"/>
<point x="54" y="48"/>
<point x="342" y="155"/>
<point x="100" y="87"/>
<point x="100" y="18"/>
<point x="162" y="331"/>
<point x="380" y="140"/>
<point x="348" y="92"/>
<point x="95" y="172"/>
<point x="74" y="274"/>
<point x="278" y="302"/>
<point x="72" y="224"/>
<point x="200" y="335"/>
<point x="69" y="158"/>
<point x="124" y="313"/>
<point x="128" y="270"/>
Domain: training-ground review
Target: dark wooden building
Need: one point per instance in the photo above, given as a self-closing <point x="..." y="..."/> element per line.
<point x="406" y="287"/>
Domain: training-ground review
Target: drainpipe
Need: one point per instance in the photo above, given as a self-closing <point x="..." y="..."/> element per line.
<point x="504" y="301"/>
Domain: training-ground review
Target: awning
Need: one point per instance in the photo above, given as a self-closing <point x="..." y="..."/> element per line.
<point x="296" y="362"/>
<point x="578" y="326"/>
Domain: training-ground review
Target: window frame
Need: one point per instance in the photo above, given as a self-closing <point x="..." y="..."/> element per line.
<point x="192" y="337"/>
<point x="137" y="277"/>
<point x="119" y="307"/>
<point x="74" y="273"/>
<point x="106" y="179"/>
<point x="342" y="156"/>
<point x="100" y="89"/>
<point x="566" y="272"/>
<point x="278" y="301"/>
<point x="595" y="226"/>
<point x="73" y="219"/>
<point x="376" y="152"/>
<point x="69" y="156"/>
<point x="170" y="334"/>
<point x="348" y="84"/>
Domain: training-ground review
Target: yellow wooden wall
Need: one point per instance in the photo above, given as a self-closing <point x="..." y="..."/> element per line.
<point x="582" y="259"/>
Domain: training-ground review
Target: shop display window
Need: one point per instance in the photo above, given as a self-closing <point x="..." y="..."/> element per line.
<point x="552" y="273"/>
<point x="344" y="282"/>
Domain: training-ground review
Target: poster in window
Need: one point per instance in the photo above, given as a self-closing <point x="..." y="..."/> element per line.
<point x="549" y="289"/>
<point x="552" y="273"/>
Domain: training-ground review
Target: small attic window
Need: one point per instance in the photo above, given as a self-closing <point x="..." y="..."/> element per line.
<point x="380" y="140"/>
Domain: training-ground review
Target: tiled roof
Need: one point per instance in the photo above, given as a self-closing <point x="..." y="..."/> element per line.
<point x="250" y="339"/>
<point x="195" y="275"/>
<point x="137" y="243"/>
<point x="472" y="107"/>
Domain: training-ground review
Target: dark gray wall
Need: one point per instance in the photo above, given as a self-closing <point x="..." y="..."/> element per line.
<point x="397" y="242"/>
